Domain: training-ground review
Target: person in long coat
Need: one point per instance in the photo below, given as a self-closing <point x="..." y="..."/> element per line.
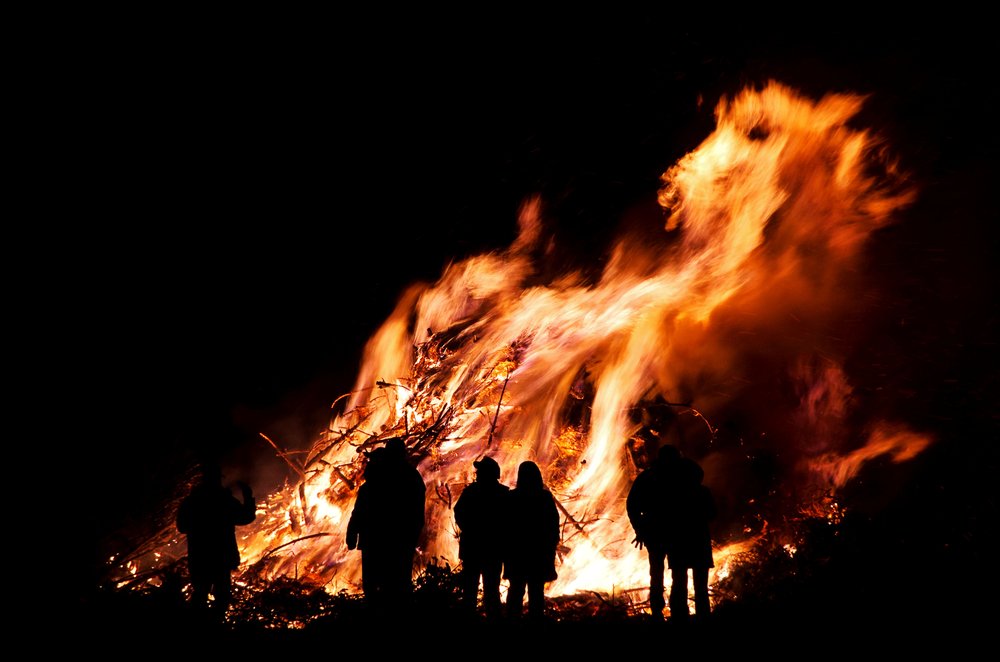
<point x="386" y="523"/>
<point x="208" y="516"/>
<point x="691" y="548"/>
<point x="650" y="506"/>
<point x="670" y="511"/>
<point x="533" y="536"/>
<point x="479" y="514"/>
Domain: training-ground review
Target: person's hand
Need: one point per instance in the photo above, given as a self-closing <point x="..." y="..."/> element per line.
<point x="637" y="543"/>
<point x="247" y="492"/>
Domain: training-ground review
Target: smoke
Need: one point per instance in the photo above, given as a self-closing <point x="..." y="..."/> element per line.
<point x="729" y="336"/>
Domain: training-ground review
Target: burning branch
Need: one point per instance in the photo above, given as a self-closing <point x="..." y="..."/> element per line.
<point x="570" y="518"/>
<point x="292" y="542"/>
<point x="300" y="470"/>
<point x="346" y="434"/>
<point x="493" y="425"/>
<point x="446" y="497"/>
<point x="343" y="477"/>
<point x="381" y="383"/>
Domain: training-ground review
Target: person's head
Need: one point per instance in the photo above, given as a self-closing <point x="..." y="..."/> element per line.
<point x="376" y="458"/>
<point x="529" y="475"/>
<point x="395" y="448"/>
<point x="487" y="469"/>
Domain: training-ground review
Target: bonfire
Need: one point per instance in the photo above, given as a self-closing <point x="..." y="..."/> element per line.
<point x="724" y="333"/>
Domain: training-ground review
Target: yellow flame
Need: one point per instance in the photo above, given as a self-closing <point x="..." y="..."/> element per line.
<point x="764" y="219"/>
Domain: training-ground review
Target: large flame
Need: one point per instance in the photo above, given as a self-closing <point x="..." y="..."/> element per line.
<point x="758" y="260"/>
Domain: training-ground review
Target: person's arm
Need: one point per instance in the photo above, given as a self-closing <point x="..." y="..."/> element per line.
<point x="461" y="508"/>
<point x="633" y="507"/>
<point x="247" y="512"/>
<point x="357" y="521"/>
<point x="184" y="516"/>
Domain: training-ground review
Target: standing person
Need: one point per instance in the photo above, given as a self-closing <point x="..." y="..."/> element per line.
<point x="208" y="516"/>
<point x="670" y="511"/>
<point x="651" y="505"/>
<point x="692" y="547"/>
<point x="386" y="524"/>
<point x="533" y="535"/>
<point x="479" y="514"/>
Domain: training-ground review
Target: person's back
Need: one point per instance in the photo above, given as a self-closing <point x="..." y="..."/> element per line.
<point x="407" y="507"/>
<point x="651" y="502"/>
<point x="533" y="537"/>
<point x="480" y="513"/>
<point x="208" y="517"/>
<point x="691" y="547"/>
<point x="386" y="523"/>
<point x="652" y="506"/>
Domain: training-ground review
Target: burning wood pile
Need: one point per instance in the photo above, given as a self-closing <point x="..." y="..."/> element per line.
<point x="727" y="336"/>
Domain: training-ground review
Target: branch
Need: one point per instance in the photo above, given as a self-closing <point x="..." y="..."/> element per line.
<point x="292" y="542"/>
<point x="300" y="470"/>
<point x="493" y="425"/>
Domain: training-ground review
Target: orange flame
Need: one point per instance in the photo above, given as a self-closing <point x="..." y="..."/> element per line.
<point x="765" y="222"/>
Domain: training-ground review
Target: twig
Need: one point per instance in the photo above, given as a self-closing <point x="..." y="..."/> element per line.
<point x="347" y="481"/>
<point x="284" y="456"/>
<point x="302" y="500"/>
<point x="343" y="435"/>
<point x="698" y="414"/>
<point x="447" y="493"/>
<point x="579" y="527"/>
<point x="381" y="383"/>
<point x="493" y="425"/>
<point x="292" y="542"/>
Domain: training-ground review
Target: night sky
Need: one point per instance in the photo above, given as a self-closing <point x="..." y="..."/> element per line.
<point x="245" y="208"/>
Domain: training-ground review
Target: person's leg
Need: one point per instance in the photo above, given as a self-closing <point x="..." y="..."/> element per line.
<point x="702" y="606"/>
<point x="373" y="579"/>
<point x="536" y="599"/>
<point x="491" y="587"/>
<point x="515" y="597"/>
<point x="222" y="589"/>
<point x="399" y="579"/>
<point x="470" y="585"/>
<point x="656" y="570"/>
<point x="679" y="593"/>
<point x="200" y="588"/>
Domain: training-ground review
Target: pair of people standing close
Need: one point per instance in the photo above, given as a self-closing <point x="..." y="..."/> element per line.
<point x="506" y="532"/>
<point x="670" y="511"/>
<point x="386" y="524"/>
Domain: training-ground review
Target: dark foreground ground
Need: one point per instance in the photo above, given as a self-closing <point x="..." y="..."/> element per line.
<point x="810" y="628"/>
<point x="916" y="574"/>
<point x="924" y="602"/>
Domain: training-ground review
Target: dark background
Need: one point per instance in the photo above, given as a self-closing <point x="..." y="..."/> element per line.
<point x="240" y="204"/>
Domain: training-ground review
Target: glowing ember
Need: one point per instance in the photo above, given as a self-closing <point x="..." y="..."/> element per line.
<point x="765" y="225"/>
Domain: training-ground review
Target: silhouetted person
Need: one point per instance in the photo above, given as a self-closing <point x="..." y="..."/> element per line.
<point x="386" y="523"/>
<point x="208" y="516"/>
<point x="650" y="505"/>
<point x="669" y="510"/>
<point x="533" y="535"/>
<point x="480" y="514"/>
<point x="691" y="548"/>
